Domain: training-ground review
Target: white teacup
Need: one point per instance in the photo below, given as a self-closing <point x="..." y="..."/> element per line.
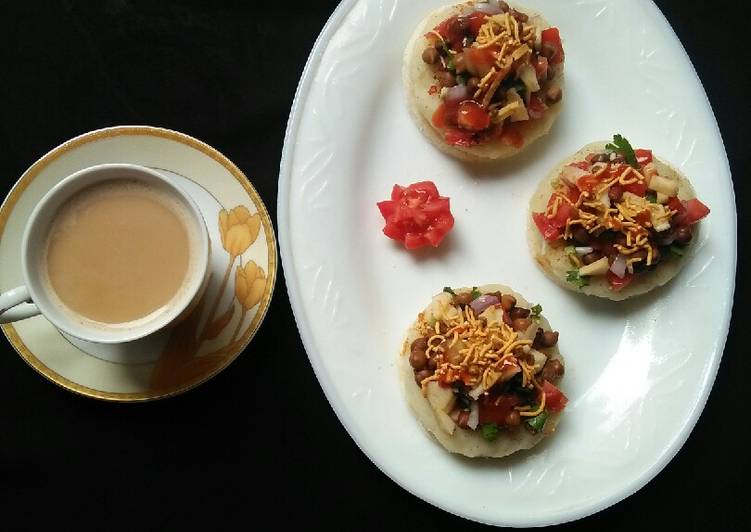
<point x="36" y="297"/>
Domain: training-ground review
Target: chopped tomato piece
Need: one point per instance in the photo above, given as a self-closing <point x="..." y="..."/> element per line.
<point x="417" y="215"/>
<point x="573" y="194"/>
<point x="451" y="31"/>
<point x="458" y="137"/>
<point x="588" y="183"/>
<point x="581" y="165"/>
<point x="445" y="116"/>
<point x="551" y="38"/>
<point x="563" y="213"/>
<point x="479" y="61"/>
<point x="676" y="205"/>
<point x="544" y="225"/>
<point x="643" y="217"/>
<point x="695" y="211"/>
<point x="541" y="67"/>
<point x="536" y="107"/>
<point x="638" y="188"/>
<point x="511" y="136"/>
<point x="618" y="283"/>
<point x="555" y="401"/>
<point x="643" y="156"/>
<point x="475" y="21"/>
<point x="490" y="412"/>
<point x="472" y="116"/>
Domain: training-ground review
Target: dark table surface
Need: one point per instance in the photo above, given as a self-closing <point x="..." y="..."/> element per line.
<point x="234" y="451"/>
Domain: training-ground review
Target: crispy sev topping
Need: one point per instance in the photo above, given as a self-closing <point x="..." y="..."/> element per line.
<point x="632" y="215"/>
<point x="474" y="350"/>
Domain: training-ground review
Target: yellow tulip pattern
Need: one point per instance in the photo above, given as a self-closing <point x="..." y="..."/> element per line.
<point x="178" y="364"/>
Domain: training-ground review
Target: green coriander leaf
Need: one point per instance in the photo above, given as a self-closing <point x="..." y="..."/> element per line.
<point x="570" y="250"/>
<point x="572" y="276"/>
<point x="651" y="196"/>
<point x="448" y="289"/>
<point x="475" y="293"/>
<point x="538" y="422"/>
<point x="623" y="146"/>
<point x="536" y="311"/>
<point x="489" y="431"/>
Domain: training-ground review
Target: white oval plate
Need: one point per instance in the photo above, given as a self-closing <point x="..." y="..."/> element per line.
<point x="638" y="373"/>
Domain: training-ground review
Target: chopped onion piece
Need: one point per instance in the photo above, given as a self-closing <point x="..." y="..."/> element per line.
<point x="619" y="266"/>
<point x="474" y="416"/>
<point x="605" y="198"/>
<point x="476" y="392"/>
<point x="456" y="94"/>
<point x="491" y="8"/>
<point x="571" y="174"/>
<point x="483" y="302"/>
<point x="584" y="250"/>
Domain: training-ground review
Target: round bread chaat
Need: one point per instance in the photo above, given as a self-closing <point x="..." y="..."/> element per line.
<point x="480" y="370"/>
<point x="484" y="79"/>
<point x="613" y="222"/>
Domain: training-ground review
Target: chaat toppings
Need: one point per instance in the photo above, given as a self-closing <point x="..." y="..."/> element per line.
<point x="617" y="215"/>
<point x="494" y="69"/>
<point x="484" y="363"/>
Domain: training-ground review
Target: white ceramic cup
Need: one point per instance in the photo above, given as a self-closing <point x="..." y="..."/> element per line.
<point x="34" y="298"/>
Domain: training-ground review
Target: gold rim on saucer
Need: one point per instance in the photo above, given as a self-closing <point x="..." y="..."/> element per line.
<point x="238" y="229"/>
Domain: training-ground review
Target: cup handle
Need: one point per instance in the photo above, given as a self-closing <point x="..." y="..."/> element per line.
<point x="16" y="305"/>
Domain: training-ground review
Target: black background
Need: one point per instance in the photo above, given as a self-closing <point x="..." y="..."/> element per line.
<point x="235" y="451"/>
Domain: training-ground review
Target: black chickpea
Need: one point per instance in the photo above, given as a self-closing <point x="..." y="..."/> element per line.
<point x="445" y="78"/>
<point x="418" y="359"/>
<point x="422" y="375"/>
<point x="463" y="299"/>
<point x="549" y="338"/>
<point x="683" y="235"/>
<point x="513" y="419"/>
<point x="518" y="312"/>
<point x="508" y="302"/>
<point x="615" y="193"/>
<point x="521" y="324"/>
<point x="420" y="344"/>
<point x="430" y="55"/>
<point x="581" y="235"/>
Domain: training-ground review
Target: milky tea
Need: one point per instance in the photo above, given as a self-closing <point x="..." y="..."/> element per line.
<point x="120" y="253"/>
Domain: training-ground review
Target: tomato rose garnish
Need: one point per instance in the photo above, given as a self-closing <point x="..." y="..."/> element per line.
<point x="416" y="215"/>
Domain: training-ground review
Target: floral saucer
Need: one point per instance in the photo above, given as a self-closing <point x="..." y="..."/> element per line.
<point x="243" y="258"/>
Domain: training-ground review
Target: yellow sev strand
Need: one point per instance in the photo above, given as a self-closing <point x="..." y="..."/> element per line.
<point x="539" y="408"/>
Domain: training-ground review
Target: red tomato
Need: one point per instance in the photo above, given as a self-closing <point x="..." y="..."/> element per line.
<point x="541" y="67"/>
<point x="475" y="21"/>
<point x="479" y="61"/>
<point x="643" y="217"/>
<point x="490" y="412"/>
<point x="417" y="215"/>
<point x="536" y="107"/>
<point x="643" y="156"/>
<point x="638" y="188"/>
<point x="458" y="137"/>
<point x="511" y="136"/>
<point x="555" y="401"/>
<point x="472" y="116"/>
<point x="695" y="211"/>
<point x="445" y="115"/>
<point x="676" y="205"/>
<point x="552" y="37"/>
<point x="573" y="194"/>
<point x="451" y="31"/>
<point x="617" y="283"/>
<point x="564" y="212"/>
<point x="581" y="165"/>
<point x="588" y="183"/>
<point x="546" y="228"/>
